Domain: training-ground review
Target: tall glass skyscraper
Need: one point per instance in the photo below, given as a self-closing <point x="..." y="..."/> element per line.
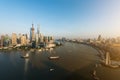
<point x="32" y="33"/>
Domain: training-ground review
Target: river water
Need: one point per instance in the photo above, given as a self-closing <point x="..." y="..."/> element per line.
<point x="76" y="62"/>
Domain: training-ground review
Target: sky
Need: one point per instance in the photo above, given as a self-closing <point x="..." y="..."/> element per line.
<point x="61" y="18"/>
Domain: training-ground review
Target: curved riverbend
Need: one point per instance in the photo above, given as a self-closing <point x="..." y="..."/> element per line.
<point x="77" y="62"/>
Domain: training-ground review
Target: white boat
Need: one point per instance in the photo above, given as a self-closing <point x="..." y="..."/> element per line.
<point x="32" y="50"/>
<point x="52" y="69"/>
<point x="26" y="56"/>
<point x="43" y="49"/>
<point x="46" y="49"/>
<point x="5" y="48"/>
<point x="40" y="50"/>
<point x="51" y="45"/>
<point x="51" y="49"/>
<point x="54" y="57"/>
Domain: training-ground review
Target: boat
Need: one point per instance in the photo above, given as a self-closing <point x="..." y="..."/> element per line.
<point x="32" y="50"/>
<point x="51" y="49"/>
<point x="43" y="49"/>
<point x="39" y="50"/>
<point x="5" y="48"/>
<point x="94" y="75"/>
<point x="51" y="45"/>
<point x="54" y="57"/>
<point x="26" y="56"/>
<point x="52" y="69"/>
<point x="46" y="49"/>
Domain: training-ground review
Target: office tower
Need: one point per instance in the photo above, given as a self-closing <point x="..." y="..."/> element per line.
<point x="99" y="38"/>
<point x="38" y="29"/>
<point x="32" y="34"/>
<point x="37" y="38"/>
<point x="27" y="38"/>
<point x="38" y="32"/>
<point x="19" y="36"/>
<point x="51" y="40"/>
<point x="19" y="39"/>
<point x="2" y="40"/>
<point x="23" y="40"/>
<point x="14" y="39"/>
<point x="6" y="40"/>
<point x="0" y="43"/>
<point x="45" y="39"/>
<point x="41" y="38"/>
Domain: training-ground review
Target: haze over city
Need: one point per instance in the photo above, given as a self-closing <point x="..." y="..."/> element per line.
<point x="59" y="39"/>
<point x="67" y="18"/>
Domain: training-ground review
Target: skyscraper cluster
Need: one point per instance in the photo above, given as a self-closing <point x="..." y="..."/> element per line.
<point x="34" y="39"/>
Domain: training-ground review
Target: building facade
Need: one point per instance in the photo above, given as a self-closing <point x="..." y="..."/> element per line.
<point x="32" y="33"/>
<point x="23" y="40"/>
<point x="14" y="39"/>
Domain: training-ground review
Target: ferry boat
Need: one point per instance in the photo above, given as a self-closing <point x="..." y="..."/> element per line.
<point x="32" y="50"/>
<point x="26" y="56"/>
<point x="46" y="49"/>
<point x="51" y="45"/>
<point x="51" y="49"/>
<point x="39" y="50"/>
<point x="52" y="69"/>
<point x="54" y="57"/>
<point x="5" y="48"/>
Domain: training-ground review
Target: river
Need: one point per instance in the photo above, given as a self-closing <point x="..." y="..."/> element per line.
<point x="76" y="62"/>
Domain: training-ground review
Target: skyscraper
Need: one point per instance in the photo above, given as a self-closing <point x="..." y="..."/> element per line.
<point x="2" y="41"/>
<point x="38" y="33"/>
<point x="19" y="39"/>
<point x="32" y="34"/>
<point x="14" y="39"/>
<point x="99" y="38"/>
<point x="37" y="39"/>
<point x="41" y="38"/>
<point x="38" y="29"/>
<point x="23" y="40"/>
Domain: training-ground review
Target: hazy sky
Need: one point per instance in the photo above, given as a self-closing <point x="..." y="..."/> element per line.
<point x="70" y="18"/>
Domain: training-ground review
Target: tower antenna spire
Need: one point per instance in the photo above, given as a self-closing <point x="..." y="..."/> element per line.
<point x="32" y="24"/>
<point x="38" y="28"/>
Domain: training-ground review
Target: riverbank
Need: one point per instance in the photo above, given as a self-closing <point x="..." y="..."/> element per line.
<point x="102" y="55"/>
<point x="76" y="62"/>
<point x="104" y="72"/>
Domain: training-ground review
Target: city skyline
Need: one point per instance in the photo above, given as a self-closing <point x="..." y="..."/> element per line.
<point x="62" y="18"/>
